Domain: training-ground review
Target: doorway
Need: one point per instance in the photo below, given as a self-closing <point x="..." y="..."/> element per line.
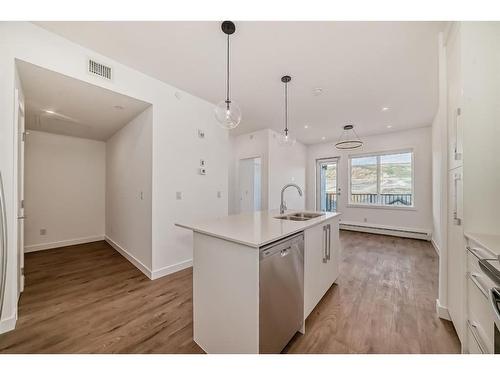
<point x="250" y="184"/>
<point x="327" y="187"/>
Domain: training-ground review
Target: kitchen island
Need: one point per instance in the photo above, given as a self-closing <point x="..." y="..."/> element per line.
<point x="227" y="275"/>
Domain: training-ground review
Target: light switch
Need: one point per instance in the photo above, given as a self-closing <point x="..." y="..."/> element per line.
<point x="203" y="171"/>
<point x="178" y="195"/>
<point x="202" y="162"/>
<point x="201" y="133"/>
<point x="219" y="194"/>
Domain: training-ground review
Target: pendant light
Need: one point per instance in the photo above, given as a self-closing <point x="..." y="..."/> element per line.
<point x="285" y="139"/>
<point x="348" y="140"/>
<point x="227" y="112"/>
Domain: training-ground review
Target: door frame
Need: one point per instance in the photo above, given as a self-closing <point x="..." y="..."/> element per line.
<point x="238" y="179"/>
<point x="317" y="178"/>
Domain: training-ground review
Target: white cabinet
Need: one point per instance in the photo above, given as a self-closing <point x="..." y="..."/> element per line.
<point x="321" y="261"/>
<point x="456" y="253"/>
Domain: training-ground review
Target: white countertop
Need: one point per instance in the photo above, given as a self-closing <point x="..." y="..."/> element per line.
<point x="490" y="242"/>
<point x="254" y="229"/>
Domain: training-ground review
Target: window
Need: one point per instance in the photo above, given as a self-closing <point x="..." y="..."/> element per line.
<point x="382" y="179"/>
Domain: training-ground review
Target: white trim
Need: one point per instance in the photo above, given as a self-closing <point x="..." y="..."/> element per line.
<point x="8" y="324"/>
<point x="436" y="247"/>
<point x="418" y="233"/>
<point x="132" y="259"/>
<point x="442" y="311"/>
<point x="53" y="245"/>
<point x="164" y="271"/>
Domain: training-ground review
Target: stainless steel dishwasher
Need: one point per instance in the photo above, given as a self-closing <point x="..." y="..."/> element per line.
<point x="281" y="288"/>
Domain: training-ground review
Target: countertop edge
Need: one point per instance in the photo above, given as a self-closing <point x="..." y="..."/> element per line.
<point x="311" y="224"/>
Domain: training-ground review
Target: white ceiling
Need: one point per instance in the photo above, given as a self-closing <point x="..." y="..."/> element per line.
<point x="361" y="67"/>
<point x="80" y="109"/>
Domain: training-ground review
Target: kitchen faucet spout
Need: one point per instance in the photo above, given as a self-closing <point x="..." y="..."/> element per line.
<point x="283" y="204"/>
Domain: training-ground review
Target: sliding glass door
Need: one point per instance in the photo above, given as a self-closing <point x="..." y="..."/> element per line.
<point x="327" y="188"/>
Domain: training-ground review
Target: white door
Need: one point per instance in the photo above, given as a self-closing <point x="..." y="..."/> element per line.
<point x="250" y="184"/>
<point x="327" y="188"/>
<point x="20" y="190"/>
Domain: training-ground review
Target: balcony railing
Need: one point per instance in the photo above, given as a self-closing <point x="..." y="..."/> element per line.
<point x="383" y="199"/>
<point x="375" y="199"/>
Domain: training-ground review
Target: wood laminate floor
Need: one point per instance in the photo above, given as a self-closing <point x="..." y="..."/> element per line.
<point x="89" y="299"/>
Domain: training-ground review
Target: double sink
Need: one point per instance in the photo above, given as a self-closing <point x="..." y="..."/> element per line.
<point x="300" y="216"/>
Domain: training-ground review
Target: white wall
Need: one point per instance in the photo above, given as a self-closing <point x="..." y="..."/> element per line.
<point x="419" y="218"/>
<point x="129" y="187"/>
<point x="64" y="190"/>
<point x="176" y="119"/>
<point x="280" y="165"/>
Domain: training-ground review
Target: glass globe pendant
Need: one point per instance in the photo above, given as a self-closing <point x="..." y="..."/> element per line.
<point x="227" y="112"/>
<point x="285" y="139"/>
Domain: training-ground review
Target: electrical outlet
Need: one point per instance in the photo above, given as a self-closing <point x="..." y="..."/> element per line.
<point x="178" y="195"/>
<point x="365" y="220"/>
<point x="43" y="232"/>
<point x="201" y="133"/>
<point x="219" y="194"/>
<point x="141" y="195"/>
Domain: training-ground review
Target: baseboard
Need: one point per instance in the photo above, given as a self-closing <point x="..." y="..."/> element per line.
<point x="164" y="271"/>
<point x="435" y="246"/>
<point x="53" y="245"/>
<point x="387" y="230"/>
<point x="8" y="324"/>
<point x="442" y="311"/>
<point x="136" y="262"/>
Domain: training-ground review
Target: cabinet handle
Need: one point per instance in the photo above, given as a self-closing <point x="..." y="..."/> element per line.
<point x="329" y="242"/>
<point x="456" y="219"/>
<point x="477" y="337"/>
<point x="325" y="240"/>
<point x="458" y="155"/>
<point x="475" y="278"/>
<point x="487" y="255"/>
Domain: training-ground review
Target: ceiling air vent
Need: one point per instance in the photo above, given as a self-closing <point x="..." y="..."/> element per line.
<point x="99" y="69"/>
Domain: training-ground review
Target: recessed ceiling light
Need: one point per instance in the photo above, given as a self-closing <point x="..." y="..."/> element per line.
<point x="306" y="126"/>
<point x="118" y="107"/>
<point x="49" y="111"/>
<point x="323" y="138"/>
<point x="389" y="126"/>
<point x="317" y="91"/>
<point x="385" y="109"/>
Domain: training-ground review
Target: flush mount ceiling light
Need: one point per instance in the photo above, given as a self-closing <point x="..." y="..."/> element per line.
<point x="227" y="112"/>
<point x="385" y="109"/>
<point x="348" y="140"/>
<point x="285" y="139"/>
<point x="49" y="111"/>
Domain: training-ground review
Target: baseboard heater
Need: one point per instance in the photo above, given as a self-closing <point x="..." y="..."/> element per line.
<point x="389" y="231"/>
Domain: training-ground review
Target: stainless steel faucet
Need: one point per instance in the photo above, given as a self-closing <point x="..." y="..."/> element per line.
<point x="283" y="204"/>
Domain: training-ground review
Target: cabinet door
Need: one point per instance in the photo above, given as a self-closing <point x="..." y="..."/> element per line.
<point x="315" y="266"/>
<point x="456" y="254"/>
<point x="454" y="93"/>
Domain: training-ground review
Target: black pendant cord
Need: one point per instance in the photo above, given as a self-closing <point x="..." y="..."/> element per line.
<point x="286" y="108"/>
<point x="227" y="76"/>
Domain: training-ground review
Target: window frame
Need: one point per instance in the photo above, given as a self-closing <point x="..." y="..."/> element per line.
<point x="413" y="207"/>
